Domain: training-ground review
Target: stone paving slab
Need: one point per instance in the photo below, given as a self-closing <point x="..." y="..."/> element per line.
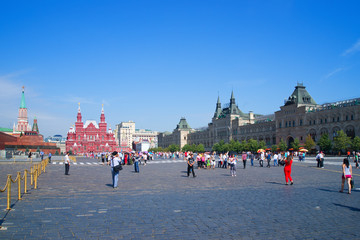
<point x="160" y="202"/>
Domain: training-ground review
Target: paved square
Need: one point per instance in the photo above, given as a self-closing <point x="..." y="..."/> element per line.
<point x="160" y="202"/>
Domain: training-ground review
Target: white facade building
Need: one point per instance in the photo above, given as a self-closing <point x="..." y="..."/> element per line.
<point x="126" y="134"/>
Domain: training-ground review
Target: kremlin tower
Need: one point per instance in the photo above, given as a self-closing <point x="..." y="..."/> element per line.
<point x="23" y="122"/>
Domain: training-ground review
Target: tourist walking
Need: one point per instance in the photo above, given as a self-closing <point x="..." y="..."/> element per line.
<point x="213" y="161"/>
<point x="346" y="175"/>
<point x="145" y="157"/>
<point x="232" y="163"/>
<point x="67" y="164"/>
<point x="262" y="158"/>
<point x="115" y="168"/>
<point x="252" y="159"/>
<point x="136" y="160"/>
<point x="225" y="161"/>
<point x="244" y="157"/>
<point x="356" y="159"/>
<point x="276" y="160"/>
<point x="287" y="169"/>
<point x="49" y="157"/>
<point x="268" y="158"/>
<point x="220" y="161"/>
<point x="190" y="163"/>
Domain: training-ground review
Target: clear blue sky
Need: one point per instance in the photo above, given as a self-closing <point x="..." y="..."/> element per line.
<point x="155" y="61"/>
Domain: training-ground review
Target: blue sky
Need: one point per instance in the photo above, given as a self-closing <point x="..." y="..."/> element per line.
<point x="154" y="62"/>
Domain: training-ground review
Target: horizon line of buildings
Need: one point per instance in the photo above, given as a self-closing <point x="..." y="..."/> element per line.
<point x="299" y="117"/>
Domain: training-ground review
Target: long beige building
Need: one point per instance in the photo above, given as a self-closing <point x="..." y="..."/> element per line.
<point x="297" y="118"/>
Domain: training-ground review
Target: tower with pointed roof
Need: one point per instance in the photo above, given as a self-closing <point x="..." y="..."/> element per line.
<point x="218" y="108"/>
<point x="23" y="122"/>
<point x="35" y="127"/>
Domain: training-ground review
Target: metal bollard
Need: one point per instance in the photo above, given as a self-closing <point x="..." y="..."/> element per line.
<point x="31" y="176"/>
<point x="19" y="185"/>
<point x="8" y="192"/>
<point x="35" y="179"/>
<point x="25" y="181"/>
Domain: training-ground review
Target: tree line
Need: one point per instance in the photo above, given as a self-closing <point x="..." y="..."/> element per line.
<point x="340" y="143"/>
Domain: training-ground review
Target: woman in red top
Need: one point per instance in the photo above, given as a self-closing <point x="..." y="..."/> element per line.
<point x="287" y="169"/>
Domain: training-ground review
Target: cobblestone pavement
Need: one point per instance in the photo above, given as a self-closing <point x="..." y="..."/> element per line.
<point x="161" y="202"/>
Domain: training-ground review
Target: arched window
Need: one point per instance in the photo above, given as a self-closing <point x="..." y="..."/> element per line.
<point x="350" y="131"/>
<point x="313" y="134"/>
<point x="335" y="131"/>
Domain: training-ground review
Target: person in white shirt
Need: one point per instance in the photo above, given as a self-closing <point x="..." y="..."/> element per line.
<point x="262" y="158"/>
<point x="276" y="160"/>
<point x="67" y="164"/>
<point x="114" y="172"/>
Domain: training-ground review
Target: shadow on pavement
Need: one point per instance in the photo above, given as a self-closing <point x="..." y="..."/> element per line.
<point x="274" y="183"/>
<point x="350" y="208"/>
<point x="327" y="190"/>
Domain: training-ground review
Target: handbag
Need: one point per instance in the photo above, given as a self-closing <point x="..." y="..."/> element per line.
<point x="117" y="168"/>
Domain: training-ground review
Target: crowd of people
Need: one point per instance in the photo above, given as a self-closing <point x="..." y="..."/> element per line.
<point x="211" y="160"/>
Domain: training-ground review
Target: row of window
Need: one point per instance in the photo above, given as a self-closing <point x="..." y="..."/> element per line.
<point x="313" y="122"/>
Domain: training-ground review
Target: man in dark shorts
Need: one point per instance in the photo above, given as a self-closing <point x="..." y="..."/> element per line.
<point x="190" y="163"/>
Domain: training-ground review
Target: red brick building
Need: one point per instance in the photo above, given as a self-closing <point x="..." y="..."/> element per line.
<point x="90" y="137"/>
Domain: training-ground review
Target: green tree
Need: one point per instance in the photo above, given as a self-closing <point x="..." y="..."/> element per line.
<point x="173" y="148"/>
<point x="243" y="146"/>
<point x="226" y="147"/>
<point x="341" y="141"/>
<point x="295" y="144"/>
<point x="186" y="148"/>
<point x="355" y="144"/>
<point x="56" y="153"/>
<point x="234" y="146"/>
<point x="309" y="143"/>
<point x="219" y="147"/>
<point x="27" y="150"/>
<point x="325" y="143"/>
<point x="253" y="145"/>
<point x="38" y="149"/>
<point x="282" y="145"/>
<point x="215" y="147"/>
<point x="70" y="152"/>
<point x="200" y="148"/>
<point x="274" y="148"/>
<point x="262" y="144"/>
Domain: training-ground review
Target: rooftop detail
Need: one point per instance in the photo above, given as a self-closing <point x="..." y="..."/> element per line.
<point x="339" y="104"/>
<point x="88" y="122"/>
<point x="300" y="96"/>
<point x="183" y="124"/>
<point x="22" y="104"/>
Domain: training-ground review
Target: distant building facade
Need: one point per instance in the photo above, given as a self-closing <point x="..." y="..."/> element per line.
<point x="300" y="116"/>
<point x="127" y="135"/>
<point x="178" y="137"/>
<point x="59" y="140"/>
<point x="90" y="137"/>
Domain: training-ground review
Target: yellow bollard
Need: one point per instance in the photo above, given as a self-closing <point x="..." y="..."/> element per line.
<point x="35" y="179"/>
<point x="31" y="176"/>
<point x="8" y="192"/>
<point x="19" y="185"/>
<point x="25" y="181"/>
